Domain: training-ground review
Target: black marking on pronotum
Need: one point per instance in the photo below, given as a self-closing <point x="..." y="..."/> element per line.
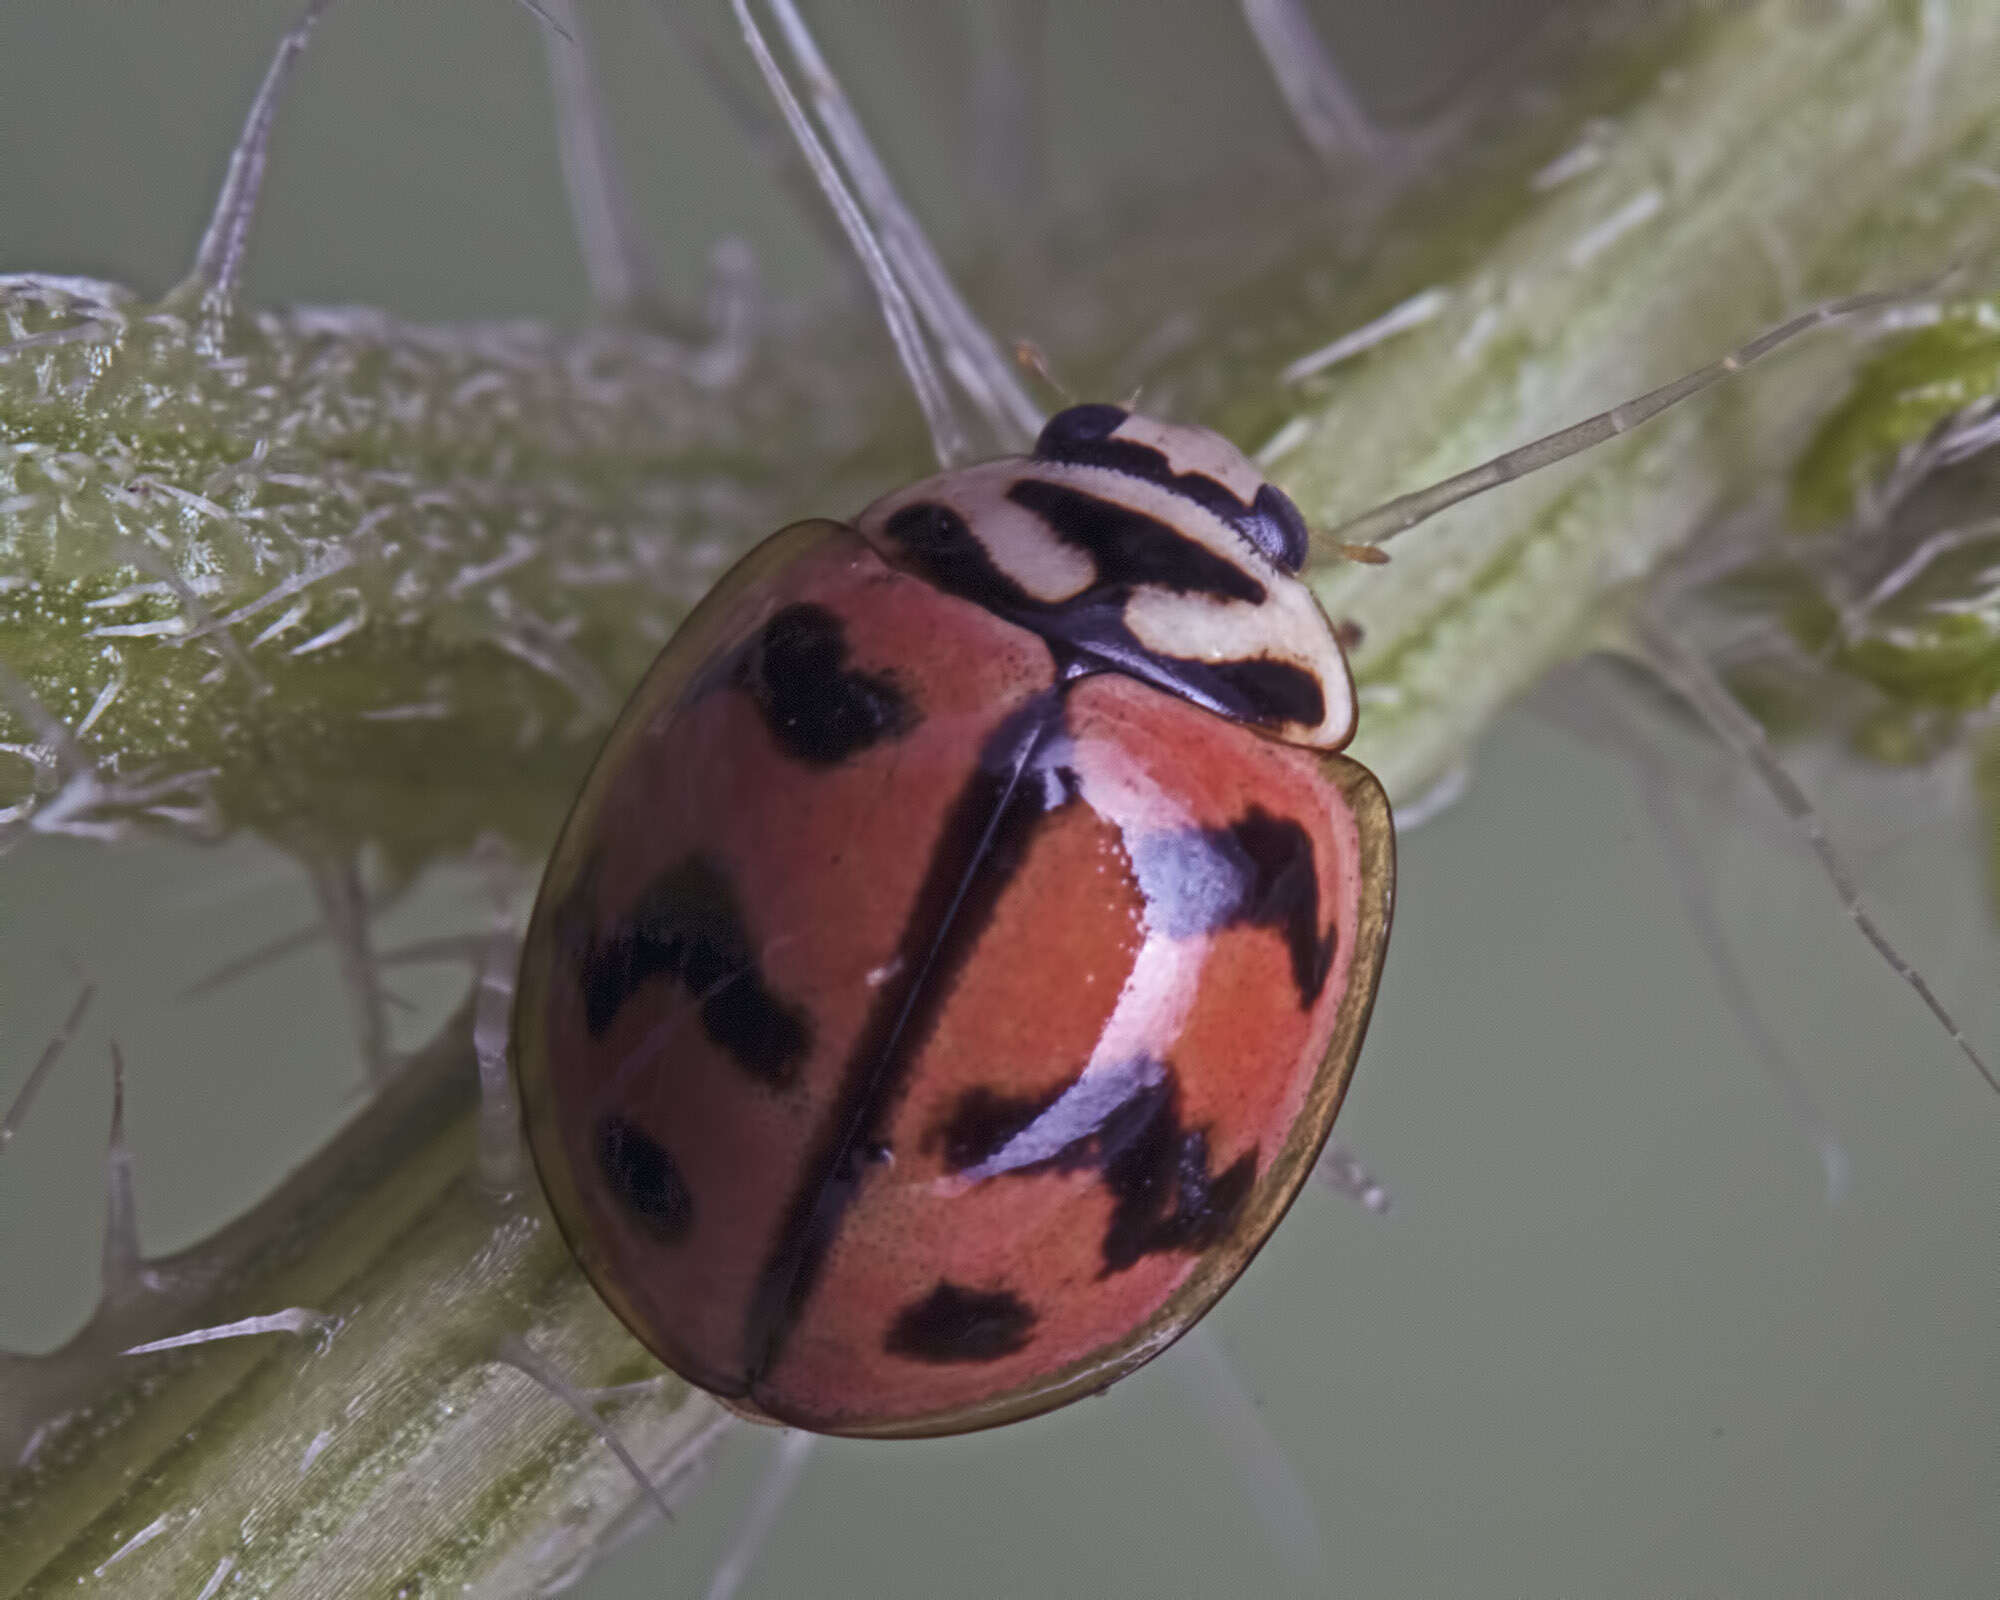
<point x="1087" y="632"/>
<point x="1275" y="527"/>
<point x="687" y="925"/>
<point x="1081" y="436"/>
<point x="819" y="709"/>
<point x="953" y="1323"/>
<point x="1259" y="871"/>
<point x="1125" y="1123"/>
<point x="1131" y="549"/>
<point x="1019" y="780"/>
<point x="1076" y="428"/>
<point x="1257" y="690"/>
<point x="644" y="1179"/>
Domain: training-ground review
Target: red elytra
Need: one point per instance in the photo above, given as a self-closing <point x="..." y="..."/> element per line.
<point x="940" y="989"/>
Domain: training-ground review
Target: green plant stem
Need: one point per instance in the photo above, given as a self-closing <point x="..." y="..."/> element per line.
<point x="1765" y="155"/>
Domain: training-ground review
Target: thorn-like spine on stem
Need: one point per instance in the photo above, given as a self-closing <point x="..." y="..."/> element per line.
<point x="218" y="259"/>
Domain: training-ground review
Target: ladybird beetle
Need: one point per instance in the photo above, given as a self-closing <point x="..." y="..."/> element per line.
<point x="958" y="954"/>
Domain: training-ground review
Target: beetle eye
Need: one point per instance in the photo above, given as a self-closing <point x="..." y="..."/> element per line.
<point x="1077" y="425"/>
<point x="1276" y="528"/>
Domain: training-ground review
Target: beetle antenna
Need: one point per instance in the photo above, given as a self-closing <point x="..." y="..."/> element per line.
<point x="947" y="435"/>
<point x="1690" y="676"/>
<point x="1406" y="511"/>
<point x="971" y="355"/>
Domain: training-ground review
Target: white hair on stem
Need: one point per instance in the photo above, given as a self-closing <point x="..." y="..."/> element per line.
<point x="1269" y="1481"/>
<point x="1683" y="670"/>
<point x="767" y="137"/>
<point x="947" y="434"/>
<point x="616" y="262"/>
<point x="1324" y="109"/>
<point x="343" y="902"/>
<point x="971" y="354"/>
<point x="45" y="1063"/>
<point x="1008" y="108"/>
<point x="123" y="1268"/>
<point x="768" y="1499"/>
<point x="1593" y="714"/>
<point x="1340" y="1171"/>
<point x="515" y="1352"/>
<point x="504" y="1171"/>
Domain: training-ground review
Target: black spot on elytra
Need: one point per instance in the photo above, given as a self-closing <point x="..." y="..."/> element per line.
<point x="1259" y="871"/>
<point x="1124" y="1123"/>
<point x="985" y="1122"/>
<point x="1131" y="549"/>
<point x="1021" y="777"/>
<point x="953" y="1323"/>
<point x="945" y="550"/>
<point x="688" y="926"/>
<point x="819" y="710"/>
<point x="1283" y="893"/>
<point x="1087" y="631"/>
<point x="1081" y="436"/>
<point x="1165" y="1198"/>
<point x="644" y="1179"/>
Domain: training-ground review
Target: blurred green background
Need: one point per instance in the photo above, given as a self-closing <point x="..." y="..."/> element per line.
<point x="1612" y="1338"/>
